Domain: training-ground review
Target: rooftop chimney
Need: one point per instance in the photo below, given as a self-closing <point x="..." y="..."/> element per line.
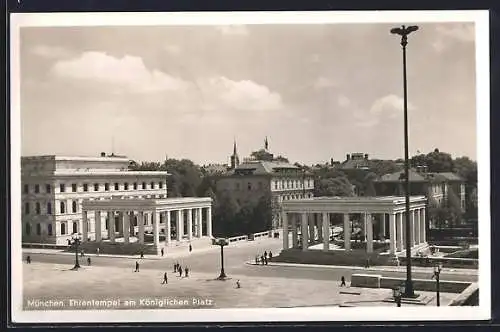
<point x="366" y="156"/>
<point x="348" y="156"/>
<point x="103" y="154"/>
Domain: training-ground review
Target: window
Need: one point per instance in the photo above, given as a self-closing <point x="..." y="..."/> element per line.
<point x="37" y="188"/>
<point x="49" y="229"/>
<point x="62" y="188"/>
<point x="125" y="186"/>
<point x="28" y="229"/>
<point x="75" y="208"/>
<point x="75" y="227"/>
<point x="63" y="229"/>
<point x="276" y="185"/>
<point x="49" y="208"/>
<point x="249" y="186"/>
<point x="106" y="187"/>
<point x="27" y="208"/>
<point x="135" y="185"/>
<point x="85" y="187"/>
<point x="26" y="189"/>
<point x="73" y="187"/>
<point x="37" y="208"/>
<point x="62" y="207"/>
<point x="96" y="186"/>
<point x="48" y="188"/>
<point x="144" y="185"/>
<point x="152" y="185"/>
<point x="38" y="229"/>
<point x="160" y="184"/>
<point x="117" y="187"/>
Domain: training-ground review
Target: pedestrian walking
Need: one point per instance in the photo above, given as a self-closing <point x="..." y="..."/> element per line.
<point x="142" y="254"/>
<point x="265" y="260"/>
<point x="136" y="266"/>
<point x="186" y="270"/>
<point x="162" y="252"/>
<point x="175" y="267"/>
<point x="270" y="255"/>
<point x="190" y="247"/>
<point x="165" y="279"/>
<point x="238" y="285"/>
<point x="262" y="259"/>
<point x="88" y="261"/>
<point x="97" y="251"/>
<point x="265" y="254"/>
<point x="180" y="271"/>
<point x="28" y="259"/>
<point x="342" y="281"/>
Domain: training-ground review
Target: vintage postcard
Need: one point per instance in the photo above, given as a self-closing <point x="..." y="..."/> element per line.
<point x="250" y="166"/>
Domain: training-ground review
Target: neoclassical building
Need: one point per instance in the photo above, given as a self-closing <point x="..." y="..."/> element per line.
<point x="253" y="179"/>
<point x="308" y="221"/>
<point x="58" y="191"/>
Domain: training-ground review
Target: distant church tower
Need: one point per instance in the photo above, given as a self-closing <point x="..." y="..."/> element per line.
<point x="235" y="160"/>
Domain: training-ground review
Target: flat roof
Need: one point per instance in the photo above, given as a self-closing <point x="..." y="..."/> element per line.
<point x="117" y="203"/>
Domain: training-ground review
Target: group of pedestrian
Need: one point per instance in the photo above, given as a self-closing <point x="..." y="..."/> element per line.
<point x="178" y="269"/>
<point x="264" y="259"/>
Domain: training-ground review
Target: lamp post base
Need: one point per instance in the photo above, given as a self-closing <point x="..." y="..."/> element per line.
<point x="76" y="267"/>
<point x="222" y="276"/>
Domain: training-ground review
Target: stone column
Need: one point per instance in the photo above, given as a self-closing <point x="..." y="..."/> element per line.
<point x="392" y="233"/>
<point x="347" y="232"/>
<point x="310" y="224"/>
<point x="399" y="232"/>
<point x="85" y="226"/>
<point x="382" y="225"/>
<point x="320" y="230"/>
<point x="209" y="222"/>
<point x="111" y="228"/>
<point x="325" y="226"/>
<point x="295" y="235"/>
<point x="369" y="233"/>
<point x="190" y="224"/>
<point x="423" y="227"/>
<point x="140" y="223"/>
<point x="98" y="221"/>
<point x="285" y="230"/>
<point x="416" y="213"/>
<point x="168" y="235"/>
<point x="412" y="228"/>
<point x="156" y="229"/>
<point x="304" y="231"/>
<point x="180" y="224"/>
<point x="126" y="226"/>
<point x="199" y="224"/>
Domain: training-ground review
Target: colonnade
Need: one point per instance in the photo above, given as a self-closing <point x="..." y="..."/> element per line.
<point x="312" y="227"/>
<point x="189" y="223"/>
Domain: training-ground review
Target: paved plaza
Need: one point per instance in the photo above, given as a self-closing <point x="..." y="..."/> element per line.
<point x="125" y="289"/>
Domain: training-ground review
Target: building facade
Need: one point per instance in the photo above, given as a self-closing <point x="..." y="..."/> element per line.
<point x="54" y="188"/>
<point x="254" y="179"/>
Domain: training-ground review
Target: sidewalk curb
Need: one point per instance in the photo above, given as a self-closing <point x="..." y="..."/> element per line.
<point x="371" y="269"/>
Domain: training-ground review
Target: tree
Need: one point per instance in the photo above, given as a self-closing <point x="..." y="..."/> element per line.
<point x="339" y="186"/>
<point x="262" y="155"/>
<point x="225" y="215"/>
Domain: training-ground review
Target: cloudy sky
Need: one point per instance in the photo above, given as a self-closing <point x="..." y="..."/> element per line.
<point x="317" y="91"/>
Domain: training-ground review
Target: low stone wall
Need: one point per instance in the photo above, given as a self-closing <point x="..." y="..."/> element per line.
<point x="450" y="262"/>
<point x="332" y="257"/>
<point x="371" y="281"/>
<point x="469" y="297"/>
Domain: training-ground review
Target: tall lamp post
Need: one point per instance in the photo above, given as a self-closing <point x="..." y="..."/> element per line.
<point x="222" y="243"/>
<point x="437" y="272"/>
<point x="404" y="31"/>
<point x="75" y="241"/>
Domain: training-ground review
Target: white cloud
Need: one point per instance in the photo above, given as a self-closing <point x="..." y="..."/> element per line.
<point x="464" y="32"/>
<point x="173" y="49"/>
<point x="448" y="34"/>
<point x="232" y="29"/>
<point x="50" y="51"/>
<point x="128" y="73"/>
<point x="343" y="101"/>
<point x="243" y="95"/>
<point x="324" y="83"/>
<point x="386" y="108"/>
